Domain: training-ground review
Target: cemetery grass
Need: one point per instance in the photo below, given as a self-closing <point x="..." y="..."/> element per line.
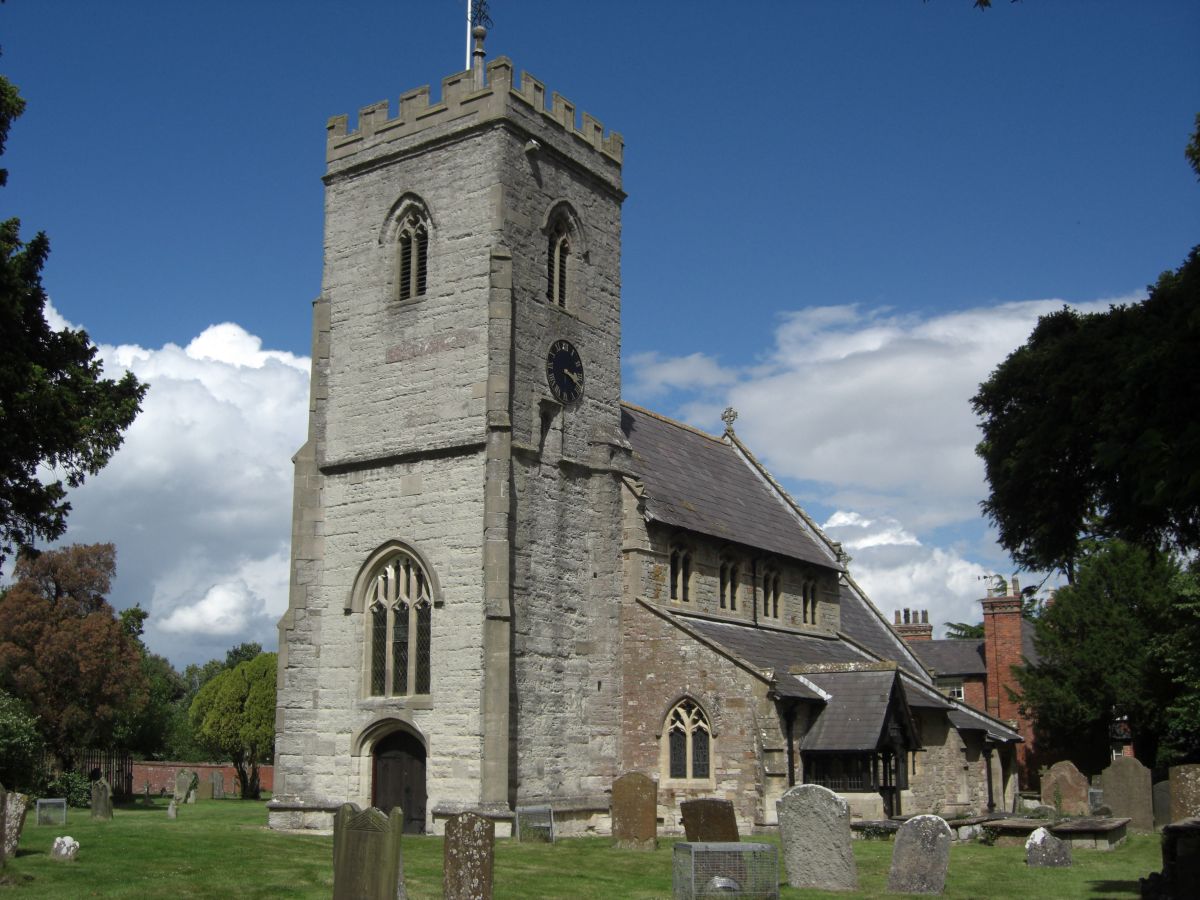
<point x="221" y="848"/>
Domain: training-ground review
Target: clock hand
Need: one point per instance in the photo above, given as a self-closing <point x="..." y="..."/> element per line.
<point x="572" y="375"/>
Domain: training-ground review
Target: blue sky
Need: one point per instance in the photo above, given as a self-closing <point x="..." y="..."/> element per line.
<point x="841" y="216"/>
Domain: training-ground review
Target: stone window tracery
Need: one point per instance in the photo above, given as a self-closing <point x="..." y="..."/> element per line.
<point x="557" y="260"/>
<point x="412" y="258"/>
<point x="399" y="610"/>
<point x="689" y="743"/>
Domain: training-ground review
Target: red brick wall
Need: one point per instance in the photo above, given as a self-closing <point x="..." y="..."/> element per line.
<point x="975" y="691"/>
<point x="161" y="775"/>
<point x="1002" y="647"/>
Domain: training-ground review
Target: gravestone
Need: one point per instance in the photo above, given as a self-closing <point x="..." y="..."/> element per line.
<point x="468" y="857"/>
<point x="15" y="807"/>
<point x="920" y="857"/>
<point x="1044" y="811"/>
<point x="1181" y="863"/>
<point x="1043" y="850"/>
<point x="709" y="821"/>
<point x="3" y="813"/>
<point x="1185" y="792"/>
<point x="218" y="785"/>
<point x="367" y="861"/>
<point x="1127" y="792"/>
<point x="1066" y="789"/>
<point x="65" y="849"/>
<point x="172" y="810"/>
<point x="204" y="790"/>
<point x="102" y="800"/>
<point x="814" y="833"/>
<point x="183" y="784"/>
<point x="191" y="796"/>
<point x="52" y="811"/>
<point x="1162" y="803"/>
<point x="635" y="812"/>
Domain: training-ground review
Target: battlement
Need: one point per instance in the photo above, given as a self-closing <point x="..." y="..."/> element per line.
<point x="465" y="102"/>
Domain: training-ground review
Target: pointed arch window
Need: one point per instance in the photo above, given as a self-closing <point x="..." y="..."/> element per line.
<point x="729" y="578"/>
<point x="808" y="602"/>
<point x="689" y="743"/>
<point x="681" y="575"/>
<point x="557" y="262"/>
<point x="399" y="609"/>
<point x="770" y="594"/>
<point x="412" y="258"/>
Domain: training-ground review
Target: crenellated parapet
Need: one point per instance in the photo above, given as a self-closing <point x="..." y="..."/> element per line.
<point x="467" y="100"/>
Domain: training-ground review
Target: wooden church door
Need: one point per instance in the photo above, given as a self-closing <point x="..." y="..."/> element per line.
<point x="399" y="762"/>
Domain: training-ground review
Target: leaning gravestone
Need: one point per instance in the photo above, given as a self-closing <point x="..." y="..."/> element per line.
<point x="367" y="862"/>
<point x="814" y="831"/>
<point x="709" y="821"/>
<point x="1066" y="789"/>
<point x="1043" y="850"/>
<point x="172" y="810"/>
<point x="52" y="811"/>
<point x="204" y="790"/>
<point x="635" y="812"/>
<point x="15" y="807"/>
<point x="183" y="784"/>
<point x="1185" y="792"/>
<point x="1127" y="792"/>
<point x="218" y="785"/>
<point x="1162" y="803"/>
<point x="468" y="857"/>
<point x="102" y="807"/>
<point x="920" y="857"/>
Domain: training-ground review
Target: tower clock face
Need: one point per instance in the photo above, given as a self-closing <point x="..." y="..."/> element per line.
<point x="564" y="372"/>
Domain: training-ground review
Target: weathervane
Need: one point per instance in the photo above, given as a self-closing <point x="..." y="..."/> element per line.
<point x="477" y="17"/>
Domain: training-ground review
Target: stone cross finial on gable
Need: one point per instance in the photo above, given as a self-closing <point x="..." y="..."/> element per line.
<point x="729" y="417"/>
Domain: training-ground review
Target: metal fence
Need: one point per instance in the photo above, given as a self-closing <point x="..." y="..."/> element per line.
<point x="726" y="869"/>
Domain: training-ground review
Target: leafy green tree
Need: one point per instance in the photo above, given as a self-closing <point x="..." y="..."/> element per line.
<point x="63" y="652"/>
<point x="1101" y="658"/>
<point x="963" y="631"/>
<point x="1175" y="652"/>
<point x="20" y="744"/>
<point x="57" y="412"/>
<point x="233" y="716"/>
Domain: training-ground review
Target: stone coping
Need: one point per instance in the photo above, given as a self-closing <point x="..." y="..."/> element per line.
<point x="330" y="806"/>
<point x="1089" y="825"/>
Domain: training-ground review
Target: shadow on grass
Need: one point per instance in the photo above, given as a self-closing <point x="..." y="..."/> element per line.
<point x="1115" y="888"/>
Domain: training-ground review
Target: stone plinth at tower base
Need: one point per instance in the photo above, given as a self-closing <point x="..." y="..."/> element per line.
<point x="814" y="833"/>
<point x="285" y="814"/>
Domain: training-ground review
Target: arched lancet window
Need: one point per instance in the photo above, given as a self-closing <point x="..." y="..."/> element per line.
<point x="730" y="577"/>
<point x="412" y="258"/>
<point x="689" y="742"/>
<point x="770" y="594"/>
<point x="808" y="602"/>
<point x="399" y="610"/>
<point x="681" y="575"/>
<point x="557" y="260"/>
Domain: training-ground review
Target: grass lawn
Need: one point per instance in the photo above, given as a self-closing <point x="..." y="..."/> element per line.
<point x="221" y="848"/>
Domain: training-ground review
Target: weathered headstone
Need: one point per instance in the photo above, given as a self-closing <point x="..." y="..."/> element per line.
<point x="1127" y="792"/>
<point x="204" y="790"/>
<point x="15" y="807"/>
<point x="635" y="812"/>
<point x="367" y="861"/>
<point x="468" y="857"/>
<point x="191" y="796"/>
<point x="814" y="833"/>
<point x="65" y="849"/>
<point x="183" y="784"/>
<point x="1185" y="792"/>
<point x="1044" y="850"/>
<point x="920" y="857"/>
<point x="52" y="811"/>
<point x="1066" y="789"/>
<point x="1044" y="811"/>
<point x="709" y="821"/>
<point x="1181" y="863"/>
<point x="172" y="810"/>
<point x="3" y="815"/>
<point x="101" y="800"/>
<point x="218" y="785"/>
<point x="1162" y="803"/>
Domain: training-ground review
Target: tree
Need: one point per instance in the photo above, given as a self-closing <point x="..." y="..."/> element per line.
<point x="233" y="715"/>
<point x="964" y="631"/>
<point x="64" y="653"/>
<point x="58" y="414"/>
<point x="1101" y="658"/>
<point x="20" y="744"/>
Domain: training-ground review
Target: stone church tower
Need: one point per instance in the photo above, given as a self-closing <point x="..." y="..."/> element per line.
<point x="452" y="634"/>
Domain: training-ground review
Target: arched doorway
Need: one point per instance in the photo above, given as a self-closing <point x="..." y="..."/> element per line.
<point x="398" y="761"/>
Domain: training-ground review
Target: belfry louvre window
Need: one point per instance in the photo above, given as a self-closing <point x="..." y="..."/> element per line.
<point x="413" y="259"/>
<point x="400" y="619"/>
<point x="556" y="264"/>
<point x="689" y="742"/>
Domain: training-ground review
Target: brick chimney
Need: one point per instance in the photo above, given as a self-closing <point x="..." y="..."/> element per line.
<point x="1002" y="649"/>
<point x="914" y="627"/>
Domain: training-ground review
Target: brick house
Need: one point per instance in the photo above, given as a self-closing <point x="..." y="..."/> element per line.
<point x="508" y="587"/>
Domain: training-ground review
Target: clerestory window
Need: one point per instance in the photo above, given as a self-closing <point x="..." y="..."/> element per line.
<point x="689" y="743"/>
<point x="681" y="575"/>
<point x="412" y="258"/>
<point x="730" y="577"/>
<point x="399" y="617"/>
<point x="808" y="602"/>
<point x="557" y="261"/>
<point x="770" y="594"/>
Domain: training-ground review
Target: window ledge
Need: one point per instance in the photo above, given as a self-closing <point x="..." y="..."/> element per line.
<point x="415" y="701"/>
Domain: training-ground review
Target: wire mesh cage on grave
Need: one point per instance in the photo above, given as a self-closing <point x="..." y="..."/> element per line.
<point x="52" y="812"/>
<point x="535" y="823"/>
<point x="726" y="869"/>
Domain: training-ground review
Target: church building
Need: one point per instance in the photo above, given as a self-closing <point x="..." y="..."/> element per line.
<point x="508" y="587"/>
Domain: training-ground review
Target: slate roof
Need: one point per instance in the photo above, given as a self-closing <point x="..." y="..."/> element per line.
<point x="854" y="717"/>
<point x="862" y="623"/>
<point x="764" y="648"/>
<point x="952" y="657"/>
<point x="701" y="483"/>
